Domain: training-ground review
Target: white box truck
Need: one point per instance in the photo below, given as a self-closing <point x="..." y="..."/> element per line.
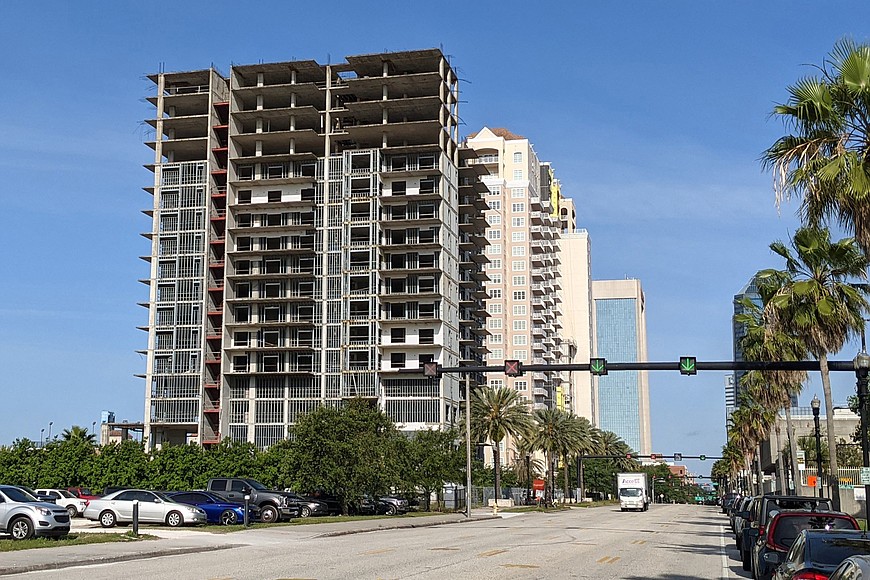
<point x="632" y="491"/>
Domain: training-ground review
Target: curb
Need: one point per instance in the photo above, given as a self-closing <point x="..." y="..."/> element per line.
<point x="399" y="527"/>
<point x="112" y="559"/>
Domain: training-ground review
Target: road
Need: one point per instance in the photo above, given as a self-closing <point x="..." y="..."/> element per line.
<point x="674" y="542"/>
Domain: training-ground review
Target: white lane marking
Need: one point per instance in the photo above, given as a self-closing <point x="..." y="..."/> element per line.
<point x="726" y="569"/>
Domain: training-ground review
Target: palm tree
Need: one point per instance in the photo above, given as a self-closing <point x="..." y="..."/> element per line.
<point x="609" y="443"/>
<point x="496" y="414"/>
<point x="819" y="307"/>
<point x="763" y="341"/>
<point x="77" y="433"/>
<point x="749" y="425"/>
<point x="825" y="158"/>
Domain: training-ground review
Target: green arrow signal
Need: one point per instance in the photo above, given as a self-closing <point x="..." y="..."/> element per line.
<point x="687" y="365"/>
<point x="598" y="366"/>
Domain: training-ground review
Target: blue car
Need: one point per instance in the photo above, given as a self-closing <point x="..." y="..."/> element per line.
<point x="217" y="509"/>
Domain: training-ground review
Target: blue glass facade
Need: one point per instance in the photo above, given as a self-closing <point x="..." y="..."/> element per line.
<point x="618" y="393"/>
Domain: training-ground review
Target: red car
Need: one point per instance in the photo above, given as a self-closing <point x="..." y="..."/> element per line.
<point x="82" y="492"/>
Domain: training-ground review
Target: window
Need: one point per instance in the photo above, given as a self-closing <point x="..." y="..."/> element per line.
<point x="494" y="219"/>
<point x="274" y="196"/>
<point x="241" y="338"/>
<point x="242" y="313"/>
<point x="518" y="265"/>
<point x="519" y="309"/>
<point x="520" y="324"/>
<point x="245" y="196"/>
<point x="518" y="237"/>
<point x="495" y="278"/>
<point x="518" y="192"/>
<point x="521" y="340"/>
<point x="494" y="190"/>
<point x="494" y="249"/>
<point x="427" y="336"/>
<point x="496" y="354"/>
<point x="518" y="207"/>
<point x="494" y="308"/>
<point x="518" y="174"/>
<point x="518" y="157"/>
<point x="518" y="222"/>
<point x="494" y="323"/>
<point x="496" y="383"/>
<point x="519" y="295"/>
<point x="494" y="204"/>
<point x="495" y="264"/>
<point x="521" y="385"/>
<point x="397" y="360"/>
<point x="496" y="338"/>
<point x="519" y="280"/>
<point x="397" y="335"/>
<point x="521" y="354"/>
<point x="518" y="250"/>
<point x="495" y="293"/>
<point x="493" y="234"/>
<point x="240" y="364"/>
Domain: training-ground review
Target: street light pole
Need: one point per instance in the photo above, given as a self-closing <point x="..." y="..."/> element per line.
<point x="862" y="366"/>
<point x="528" y="478"/>
<point x="468" y="445"/>
<point x="50" y="423"/>
<point x="816" y="404"/>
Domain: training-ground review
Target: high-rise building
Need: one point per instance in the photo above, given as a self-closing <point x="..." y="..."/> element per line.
<point x="524" y="287"/>
<point x="317" y="236"/>
<point x="576" y="257"/>
<point x="619" y="319"/>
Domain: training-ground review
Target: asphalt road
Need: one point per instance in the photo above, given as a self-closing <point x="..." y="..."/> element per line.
<point x="674" y="542"/>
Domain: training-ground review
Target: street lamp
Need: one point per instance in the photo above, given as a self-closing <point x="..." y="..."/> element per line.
<point x="41" y="439"/>
<point x="50" y="423"/>
<point x="816" y="404"/>
<point x="862" y="366"/>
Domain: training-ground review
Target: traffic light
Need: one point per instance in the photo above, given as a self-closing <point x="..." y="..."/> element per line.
<point x="628" y="456"/>
<point x="654" y="456"/>
<point x="702" y="457"/>
<point x="678" y="456"/>
<point x="687" y="365"/>
<point x="513" y="368"/>
<point x="598" y="366"/>
<point x="431" y="369"/>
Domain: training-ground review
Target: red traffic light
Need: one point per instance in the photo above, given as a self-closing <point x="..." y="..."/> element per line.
<point x="430" y="369"/>
<point x="628" y="456"/>
<point x="654" y="456"/>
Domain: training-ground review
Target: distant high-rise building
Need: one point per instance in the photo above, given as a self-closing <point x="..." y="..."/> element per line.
<point x="575" y="248"/>
<point x="622" y="398"/>
<point x="317" y="235"/>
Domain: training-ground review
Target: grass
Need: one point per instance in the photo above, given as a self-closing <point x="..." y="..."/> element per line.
<point x="77" y="539"/>
<point x="215" y="529"/>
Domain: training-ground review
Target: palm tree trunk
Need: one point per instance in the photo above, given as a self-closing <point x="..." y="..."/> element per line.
<point x="747" y="469"/>
<point x="834" y="477"/>
<point x="792" y="447"/>
<point x="779" y="463"/>
<point x="758" y="469"/>
<point x="565" y="463"/>
<point x="497" y="461"/>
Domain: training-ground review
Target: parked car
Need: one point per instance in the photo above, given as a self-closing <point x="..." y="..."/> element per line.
<point x="83" y="493"/>
<point x="727" y="501"/>
<point x="333" y="503"/>
<point x="217" y="509"/>
<point x="308" y="506"/>
<point x="274" y="505"/>
<point x="785" y="526"/>
<point x="154" y="507"/>
<point x="39" y="496"/>
<point x="23" y="516"/>
<point x="395" y="505"/>
<point x="74" y="505"/>
<point x="815" y="554"/>
<point x="853" y="568"/>
<point x="759" y="514"/>
<point x="383" y="505"/>
<point x="740" y="522"/>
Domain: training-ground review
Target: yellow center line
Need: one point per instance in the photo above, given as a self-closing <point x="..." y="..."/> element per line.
<point x="381" y="551"/>
<point x="443" y="548"/>
<point x="490" y="553"/>
<point x="603" y="560"/>
<point x="528" y="566"/>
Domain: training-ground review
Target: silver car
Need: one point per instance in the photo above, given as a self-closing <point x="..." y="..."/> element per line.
<point x="853" y="568"/>
<point x="23" y="516"/>
<point x="154" y="508"/>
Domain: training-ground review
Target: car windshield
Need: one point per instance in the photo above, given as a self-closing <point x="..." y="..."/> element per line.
<point x="16" y="494"/>
<point x="256" y="484"/>
<point x="630" y="492"/>
<point x="796" y="504"/>
<point x="832" y="551"/>
<point x="787" y="528"/>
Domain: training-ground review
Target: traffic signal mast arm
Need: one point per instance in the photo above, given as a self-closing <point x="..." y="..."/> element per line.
<point x="803" y="365"/>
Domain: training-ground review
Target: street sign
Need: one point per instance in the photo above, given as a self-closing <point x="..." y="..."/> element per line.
<point x="865" y="476"/>
<point x="812" y="481"/>
<point x="598" y="366"/>
<point x="688" y="365"/>
<point x="678" y="456"/>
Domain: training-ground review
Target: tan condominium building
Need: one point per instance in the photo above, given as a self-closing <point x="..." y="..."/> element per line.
<point x="524" y="299"/>
<point x="317" y="235"/>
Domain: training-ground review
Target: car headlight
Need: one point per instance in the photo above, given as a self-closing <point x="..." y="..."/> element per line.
<point x="44" y="511"/>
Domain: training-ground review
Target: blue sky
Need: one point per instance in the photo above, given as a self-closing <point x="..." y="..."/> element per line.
<point x="654" y="115"/>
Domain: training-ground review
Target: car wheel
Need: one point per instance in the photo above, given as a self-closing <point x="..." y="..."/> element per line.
<point x="747" y="565"/>
<point x="391" y="510"/>
<point x="108" y="519"/>
<point x="268" y="514"/>
<point x="229" y="518"/>
<point x="305" y="512"/>
<point x="72" y="511"/>
<point x="174" y="519"/>
<point x="21" y="529"/>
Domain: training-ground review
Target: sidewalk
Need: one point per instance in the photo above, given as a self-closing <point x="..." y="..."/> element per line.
<point x="174" y="542"/>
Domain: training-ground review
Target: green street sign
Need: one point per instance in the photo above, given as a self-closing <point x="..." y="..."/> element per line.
<point x="598" y="366"/>
<point x="687" y="365"/>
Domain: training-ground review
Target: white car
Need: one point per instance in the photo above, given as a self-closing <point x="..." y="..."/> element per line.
<point x="154" y="508"/>
<point x="75" y="506"/>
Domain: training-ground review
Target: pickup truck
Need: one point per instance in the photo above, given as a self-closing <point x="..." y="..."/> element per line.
<point x="274" y="505"/>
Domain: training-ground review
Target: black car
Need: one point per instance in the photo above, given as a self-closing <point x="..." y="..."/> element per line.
<point x="384" y="505"/>
<point x="817" y="553"/>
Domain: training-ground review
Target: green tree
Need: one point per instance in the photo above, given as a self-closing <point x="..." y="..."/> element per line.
<point x="120" y="464"/>
<point x="177" y="467"/>
<point x="823" y="157"/>
<point x="431" y="458"/>
<point x="496" y="414"/>
<point x="816" y="304"/>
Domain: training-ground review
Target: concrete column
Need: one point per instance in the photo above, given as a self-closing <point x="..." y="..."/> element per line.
<point x="259" y="102"/>
<point x="292" y="99"/>
<point x="292" y="145"/>
<point x="384" y="97"/>
<point x="292" y="122"/>
<point x="259" y="125"/>
<point x="259" y="148"/>
<point x="384" y="140"/>
<point x="292" y="77"/>
<point x="386" y="69"/>
<point x="384" y="117"/>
